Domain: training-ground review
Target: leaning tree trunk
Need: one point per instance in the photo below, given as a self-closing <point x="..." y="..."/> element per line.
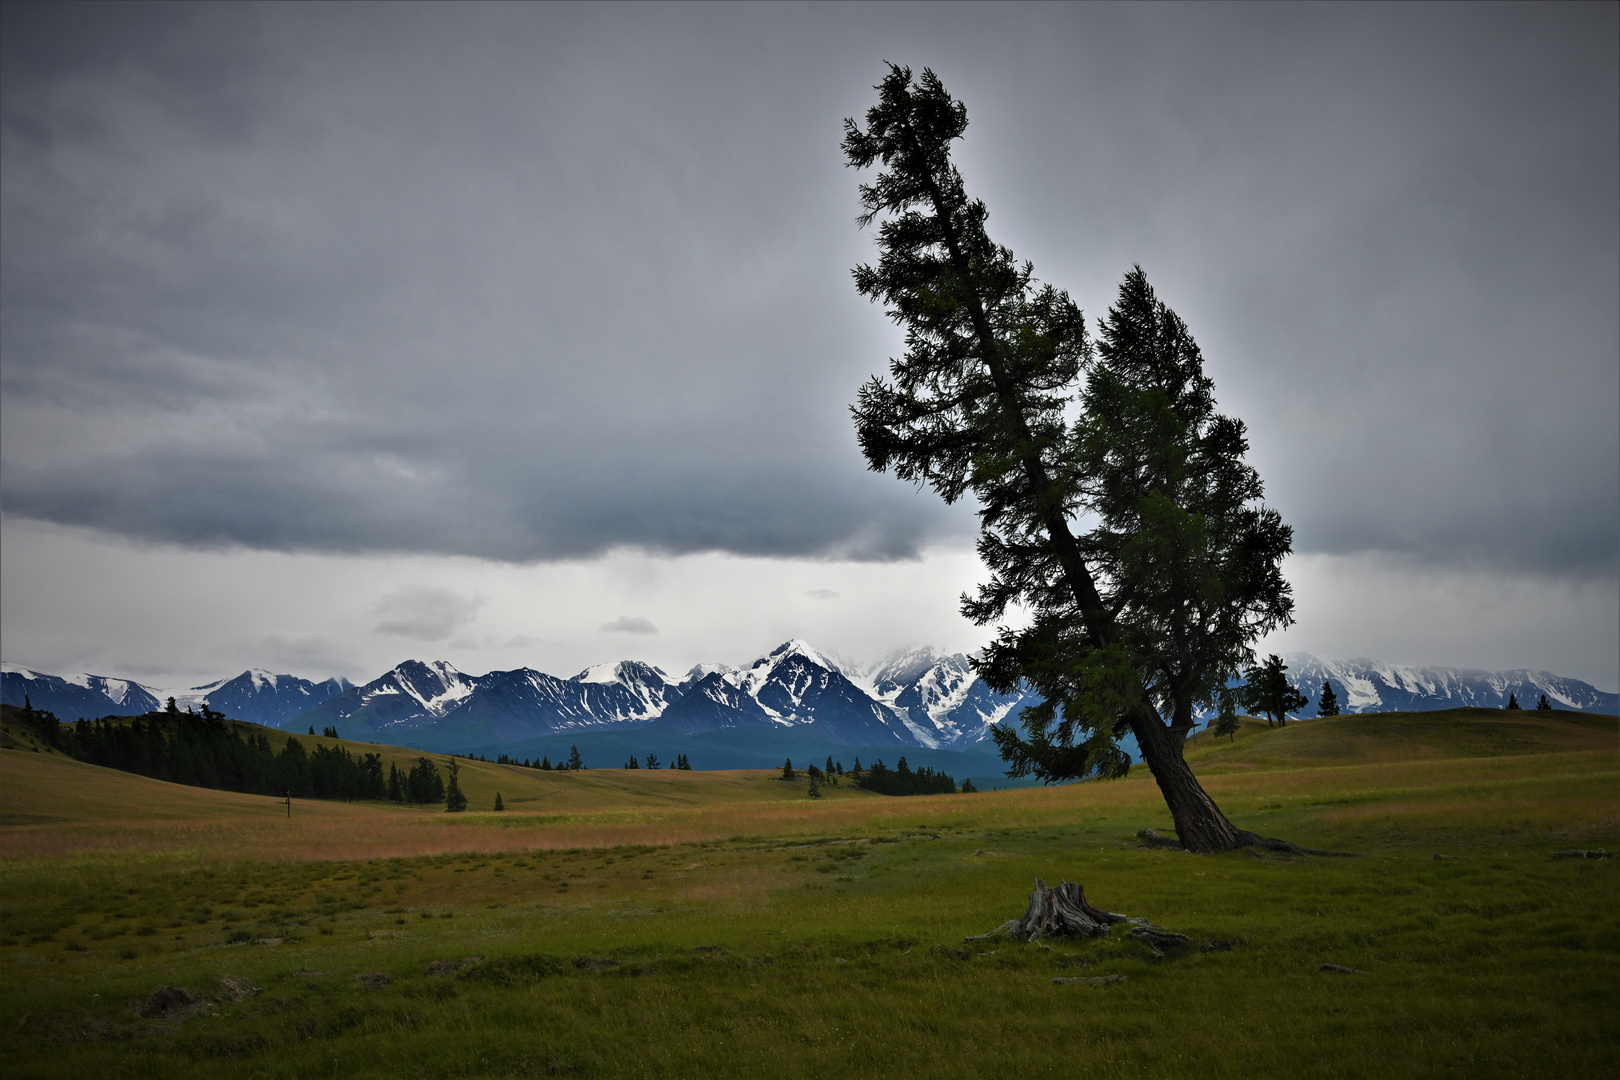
<point x="1199" y="822"/>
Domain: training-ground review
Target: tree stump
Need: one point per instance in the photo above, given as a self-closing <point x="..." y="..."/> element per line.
<point x="1059" y="912"/>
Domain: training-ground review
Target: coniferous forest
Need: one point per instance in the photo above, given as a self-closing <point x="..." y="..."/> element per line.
<point x="208" y="750"/>
<point x="903" y="780"/>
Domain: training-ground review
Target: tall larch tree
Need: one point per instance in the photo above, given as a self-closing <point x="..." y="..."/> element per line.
<point x="1001" y="395"/>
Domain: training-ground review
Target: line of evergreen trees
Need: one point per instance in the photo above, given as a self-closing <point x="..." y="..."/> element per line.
<point x="573" y="764"/>
<point x="653" y="763"/>
<point x="207" y="750"/>
<point x="902" y="779"/>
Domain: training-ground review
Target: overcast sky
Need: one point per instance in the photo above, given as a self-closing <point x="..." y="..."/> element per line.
<point x="336" y="335"/>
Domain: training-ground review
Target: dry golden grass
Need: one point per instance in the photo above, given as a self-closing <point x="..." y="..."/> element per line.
<point x="55" y="807"/>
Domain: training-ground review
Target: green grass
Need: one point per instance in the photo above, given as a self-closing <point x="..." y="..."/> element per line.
<point x="825" y="939"/>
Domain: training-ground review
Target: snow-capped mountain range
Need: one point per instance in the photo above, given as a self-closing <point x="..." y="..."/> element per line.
<point x="256" y="695"/>
<point x="793" y="687"/>
<point x="912" y="698"/>
<point x="1371" y="686"/>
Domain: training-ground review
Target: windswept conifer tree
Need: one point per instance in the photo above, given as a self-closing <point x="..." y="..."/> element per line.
<point x="1140" y="620"/>
<point x="455" y="801"/>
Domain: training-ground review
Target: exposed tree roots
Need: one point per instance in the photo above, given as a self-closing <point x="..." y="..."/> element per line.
<point x="1150" y="838"/>
<point x="1065" y="912"/>
<point x="1059" y="912"/>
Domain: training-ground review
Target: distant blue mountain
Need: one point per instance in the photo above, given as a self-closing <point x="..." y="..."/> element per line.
<point x="256" y="696"/>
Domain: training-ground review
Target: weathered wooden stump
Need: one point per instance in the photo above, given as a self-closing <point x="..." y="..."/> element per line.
<point x="1059" y="912"/>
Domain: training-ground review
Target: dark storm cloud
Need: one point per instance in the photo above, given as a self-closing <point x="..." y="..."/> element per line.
<point x="531" y="282"/>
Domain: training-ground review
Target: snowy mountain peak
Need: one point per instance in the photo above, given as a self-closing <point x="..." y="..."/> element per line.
<point x="797" y="647"/>
<point x="900" y="669"/>
<point x="599" y="673"/>
<point x="632" y="673"/>
<point x="699" y="672"/>
<point x="437" y="686"/>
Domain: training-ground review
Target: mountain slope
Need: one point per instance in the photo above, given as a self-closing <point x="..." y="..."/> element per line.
<point x="940" y="698"/>
<point x="75" y="696"/>
<point x="793" y="686"/>
<point x="409" y="696"/>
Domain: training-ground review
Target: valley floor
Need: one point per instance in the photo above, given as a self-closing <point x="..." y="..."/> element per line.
<point x="722" y="924"/>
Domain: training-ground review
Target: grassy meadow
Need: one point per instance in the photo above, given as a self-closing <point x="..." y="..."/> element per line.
<point x="667" y="923"/>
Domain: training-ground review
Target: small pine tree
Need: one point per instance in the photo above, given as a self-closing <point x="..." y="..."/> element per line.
<point x="632" y="763"/>
<point x="1270" y="692"/>
<point x="1513" y="701"/>
<point x="1328" y="703"/>
<point x="575" y="762"/>
<point x="498" y="804"/>
<point x="1226" y="723"/>
<point x="311" y="727"/>
<point x="815" y="788"/>
<point x="454" y="801"/>
<point x="787" y="770"/>
<point x="1543" y="705"/>
<point x="967" y="786"/>
<point x="652" y="761"/>
<point x="174" y="710"/>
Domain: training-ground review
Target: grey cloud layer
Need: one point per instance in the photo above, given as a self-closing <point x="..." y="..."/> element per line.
<point x="425" y="612"/>
<point x="534" y="282"/>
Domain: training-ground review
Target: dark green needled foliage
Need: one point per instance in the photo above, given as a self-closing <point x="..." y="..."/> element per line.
<point x="1001" y="393"/>
<point x="1327" y="702"/>
<point x="1186" y="560"/>
<point x="1269" y="692"/>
